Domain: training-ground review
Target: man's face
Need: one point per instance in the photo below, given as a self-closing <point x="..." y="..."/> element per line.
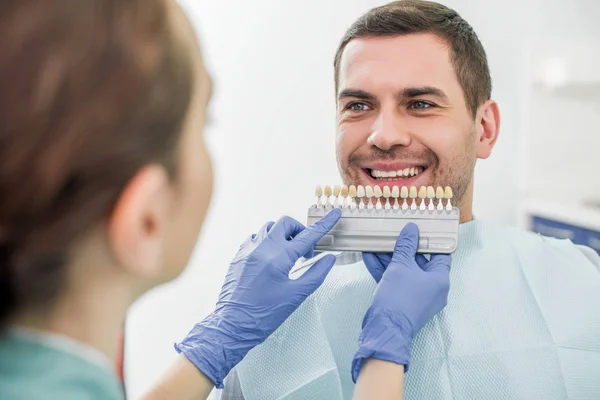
<point x="402" y="116"/>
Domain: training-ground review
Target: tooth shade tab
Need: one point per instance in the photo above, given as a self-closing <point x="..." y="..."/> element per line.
<point x="327" y="191"/>
<point x="336" y="191"/>
<point x="404" y="192"/>
<point x="448" y="192"/>
<point x="395" y="192"/>
<point x="344" y="191"/>
<point x="413" y="192"/>
<point x="439" y="193"/>
<point x="387" y="193"/>
<point x="369" y="191"/>
<point x="430" y="192"/>
<point x="422" y="192"/>
<point x="318" y="191"/>
<point x="360" y="191"/>
<point x="352" y="191"/>
<point x="377" y="192"/>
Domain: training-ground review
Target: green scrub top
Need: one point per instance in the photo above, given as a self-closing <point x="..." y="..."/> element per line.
<point x="37" y="365"/>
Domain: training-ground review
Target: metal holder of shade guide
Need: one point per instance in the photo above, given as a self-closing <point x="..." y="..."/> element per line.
<point x="373" y="217"/>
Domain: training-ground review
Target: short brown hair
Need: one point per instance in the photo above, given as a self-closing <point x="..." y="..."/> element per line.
<point x="90" y="92"/>
<point x="418" y="16"/>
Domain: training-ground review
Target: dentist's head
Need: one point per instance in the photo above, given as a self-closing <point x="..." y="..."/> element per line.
<point x="104" y="175"/>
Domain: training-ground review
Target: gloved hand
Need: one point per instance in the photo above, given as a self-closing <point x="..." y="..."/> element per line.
<point x="410" y="292"/>
<point x="258" y="295"/>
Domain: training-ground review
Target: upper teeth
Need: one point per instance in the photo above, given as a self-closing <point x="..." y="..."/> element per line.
<point x="399" y="173"/>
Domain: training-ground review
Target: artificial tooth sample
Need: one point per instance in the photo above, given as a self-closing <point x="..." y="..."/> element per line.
<point x="319" y="194"/>
<point x="351" y="196"/>
<point x="360" y="194"/>
<point x="404" y="196"/>
<point x="413" y="195"/>
<point x="395" y="195"/>
<point x="343" y="195"/>
<point x="430" y="196"/>
<point x="386" y="195"/>
<point x="377" y="192"/>
<point x="422" y="196"/>
<point x="448" y="195"/>
<point x="369" y="194"/>
<point x="336" y="194"/>
<point x="439" y="193"/>
<point x="327" y="192"/>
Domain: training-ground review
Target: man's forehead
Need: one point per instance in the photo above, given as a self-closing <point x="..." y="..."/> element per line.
<point x="406" y="60"/>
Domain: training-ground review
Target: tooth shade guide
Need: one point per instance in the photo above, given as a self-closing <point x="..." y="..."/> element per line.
<point x="448" y="195"/>
<point x="422" y="196"/>
<point x="387" y="193"/>
<point x="351" y="196"/>
<point x="412" y="193"/>
<point x="318" y="195"/>
<point x="352" y="191"/>
<point x="377" y="193"/>
<point x="430" y="196"/>
<point x="348" y="197"/>
<point x="360" y="194"/>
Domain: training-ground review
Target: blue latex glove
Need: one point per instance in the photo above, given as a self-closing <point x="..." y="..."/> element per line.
<point x="411" y="290"/>
<point x="258" y="295"/>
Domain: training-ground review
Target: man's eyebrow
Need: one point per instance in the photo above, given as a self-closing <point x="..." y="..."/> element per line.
<point x="356" y="93"/>
<point x="423" y="91"/>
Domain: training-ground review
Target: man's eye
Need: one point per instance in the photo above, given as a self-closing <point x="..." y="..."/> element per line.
<point x="420" y="105"/>
<point x="358" y="107"/>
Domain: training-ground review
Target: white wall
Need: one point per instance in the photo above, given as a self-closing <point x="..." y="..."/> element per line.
<point x="273" y="139"/>
<point x="563" y="125"/>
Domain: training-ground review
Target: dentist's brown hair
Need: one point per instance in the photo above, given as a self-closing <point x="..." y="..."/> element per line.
<point x="91" y="91"/>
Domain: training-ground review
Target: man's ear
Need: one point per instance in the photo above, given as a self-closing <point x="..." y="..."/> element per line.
<point x="487" y="128"/>
<point x="136" y="226"/>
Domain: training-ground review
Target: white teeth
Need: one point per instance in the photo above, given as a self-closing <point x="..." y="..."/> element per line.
<point x="406" y="172"/>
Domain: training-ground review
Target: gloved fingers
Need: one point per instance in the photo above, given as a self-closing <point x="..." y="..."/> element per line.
<point x="263" y="231"/>
<point x="374" y="265"/>
<point x="439" y="262"/>
<point x="384" y="258"/>
<point x="316" y="274"/>
<point x="305" y="241"/>
<point x="310" y="254"/>
<point x="407" y="243"/>
<point x="421" y="261"/>
<point x="286" y="228"/>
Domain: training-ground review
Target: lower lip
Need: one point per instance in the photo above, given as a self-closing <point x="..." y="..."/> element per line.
<point x="397" y="181"/>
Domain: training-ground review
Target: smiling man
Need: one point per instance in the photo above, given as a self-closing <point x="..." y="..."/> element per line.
<point x="413" y="100"/>
<point x="414" y="108"/>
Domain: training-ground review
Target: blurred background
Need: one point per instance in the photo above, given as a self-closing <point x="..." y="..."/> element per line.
<point x="272" y="136"/>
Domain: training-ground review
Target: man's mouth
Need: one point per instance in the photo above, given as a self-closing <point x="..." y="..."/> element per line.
<point x="394" y="175"/>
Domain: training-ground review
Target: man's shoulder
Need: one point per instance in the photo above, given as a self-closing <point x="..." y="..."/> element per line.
<point x="528" y="242"/>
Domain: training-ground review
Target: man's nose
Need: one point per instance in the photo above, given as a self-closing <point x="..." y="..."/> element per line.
<point x="388" y="131"/>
